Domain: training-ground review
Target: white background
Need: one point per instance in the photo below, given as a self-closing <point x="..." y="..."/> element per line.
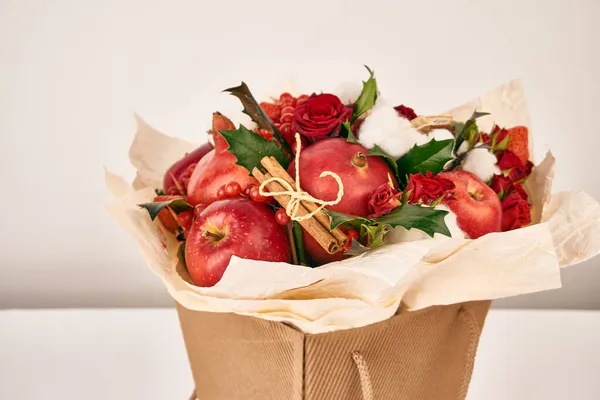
<point x="72" y="73"/>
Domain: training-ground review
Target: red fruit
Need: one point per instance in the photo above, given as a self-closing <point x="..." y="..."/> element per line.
<point x="221" y="193"/>
<point x="519" y="142"/>
<point x="172" y="181"/>
<point x="301" y="99"/>
<point x="360" y="175"/>
<point x="477" y="207"/>
<point x="166" y="216"/>
<point x="184" y="219"/>
<point x="233" y="189"/>
<point x="237" y="227"/>
<point x="273" y="111"/>
<point x="353" y="234"/>
<point x="256" y="196"/>
<point x="287" y="118"/>
<point x="217" y="168"/>
<point x="287" y="110"/>
<point x="247" y="189"/>
<point x="264" y="133"/>
<point x="281" y="217"/>
<point x="285" y="97"/>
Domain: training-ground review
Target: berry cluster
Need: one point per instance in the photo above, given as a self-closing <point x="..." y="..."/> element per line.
<point x="180" y="188"/>
<point x="233" y="189"/>
<point x="281" y="113"/>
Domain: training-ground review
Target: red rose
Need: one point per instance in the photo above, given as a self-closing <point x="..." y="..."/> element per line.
<point x="320" y="115"/>
<point x="428" y="188"/>
<point x="517" y="169"/>
<point x="516" y="212"/>
<point x="502" y="185"/>
<point x="383" y="200"/>
<point x="406" y="112"/>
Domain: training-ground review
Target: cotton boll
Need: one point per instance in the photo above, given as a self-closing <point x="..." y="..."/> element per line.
<point x="401" y="234"/>
<point x="348" y="92"/>
<point x="481" y="163"/>
<point x="440" y="134"/>
<point x="385" y="128"/>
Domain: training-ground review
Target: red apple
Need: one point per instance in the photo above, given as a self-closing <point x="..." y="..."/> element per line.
<point x="240" y="227"/>
<point x="178" y="175"/>
<point x="217" y="168"/>
<point x="360" y="174"/>
<point x="477" y="207"/>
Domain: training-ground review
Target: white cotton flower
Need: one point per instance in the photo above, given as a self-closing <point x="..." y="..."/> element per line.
<point x="385" y="128"/>
<point x="401" y="234"/>
<point x="348" y="91"/>
<point x="463" y="148"/>
<point x="440" y="134"/>
<point x="481" y="163"/>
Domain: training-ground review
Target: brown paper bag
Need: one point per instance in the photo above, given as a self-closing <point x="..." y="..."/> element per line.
<point x="421" y="355"/>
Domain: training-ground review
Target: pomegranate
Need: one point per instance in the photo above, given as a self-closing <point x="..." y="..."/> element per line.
<point x="178" y="175"/>
<point x="360" y="174"/>
<point x="217" y="168"/>
<point x="239" y="227"/>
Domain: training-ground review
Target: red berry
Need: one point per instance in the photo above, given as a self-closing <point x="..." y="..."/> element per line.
<point x="285" y="96"/>
<point x="256" y="196"/>
<point x="198" y="210"/>
<point x="286" y="129"/>
<point x="301" y="99"/>
<point x="246" y="191"/>
<point x="281" y="217"/>
<point x="233" y="189"/>
<point x="287" y="118"/>
<point x="353" y="234"/>
<point x="184" y="219"/>
<point x="190" y="169"/>
<point x="221" y="193"/>
<point x="277" y="125"/>
<point x="273" y="111"/>
<point x="264" y="133"/>
<point x="287" y="110"/>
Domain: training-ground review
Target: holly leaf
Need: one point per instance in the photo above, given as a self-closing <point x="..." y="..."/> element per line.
<point x="347" y="132"/>
<point x="256" y="113"/>
<point x="431" y="156"/>
<point x="377" y="151"/>
<point x="249" y="148"/>
<point x="159" y="192"/>
<point x="177" y="205"/>
<point x="356" y="249"/>
<point x="467" y="131"/>
<point x="374" y="234"/>
<point x="414" y="216"/>
<point x="367" y="97"/>
<point x="338" y="219"/>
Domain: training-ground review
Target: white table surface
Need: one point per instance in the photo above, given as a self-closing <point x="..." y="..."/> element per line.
<point x="139" y="354"/>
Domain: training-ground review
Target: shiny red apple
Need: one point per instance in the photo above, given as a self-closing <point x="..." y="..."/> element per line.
<point x="477" y="207"/>
<point x="360" y="175"/>
<point x="217" y="168"/>
<point x="178" y="175"/>
<point x="167" y="217"/>
<point x="240" y="227"/>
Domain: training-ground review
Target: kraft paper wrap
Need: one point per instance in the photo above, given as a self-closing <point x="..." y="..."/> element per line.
<point x="369" y="289"/>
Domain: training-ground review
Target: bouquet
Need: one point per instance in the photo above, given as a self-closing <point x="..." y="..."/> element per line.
<point x="342" y="215"/>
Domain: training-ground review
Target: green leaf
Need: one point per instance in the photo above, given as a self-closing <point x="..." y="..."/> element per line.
<point x="347" y="129"/>
<point x="377" y="151"/>
<point x="299" y="243"/>
<point x="374" y="234"/>
<point x="502" y="145"/>
<point x="181" y="254"/>
<point x="159" y="192"/>
<point x="253" y="110"/>
<point x="431" y="156"/>
<point x="367" y="97"/>
<point x="249" y="148"/>
<point x="414" y="216"/>
<point x="177" y="205"/>
<point x="338" y="219"/>
<point x="467" y="131"/>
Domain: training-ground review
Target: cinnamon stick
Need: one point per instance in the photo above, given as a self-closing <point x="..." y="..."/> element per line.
<point x="311" y="225"/>
<point x="275" y="169"/>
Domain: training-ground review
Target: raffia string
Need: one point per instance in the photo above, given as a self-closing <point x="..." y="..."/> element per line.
<point x="298" y="195"/>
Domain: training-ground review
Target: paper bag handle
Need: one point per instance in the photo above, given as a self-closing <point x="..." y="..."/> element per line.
<point x="363" y="373"/>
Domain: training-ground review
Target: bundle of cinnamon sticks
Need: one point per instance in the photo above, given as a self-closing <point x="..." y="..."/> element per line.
<point x="316" y="226"/>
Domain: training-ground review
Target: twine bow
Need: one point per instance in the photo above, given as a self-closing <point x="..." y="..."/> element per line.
<point x="297" y="195"/>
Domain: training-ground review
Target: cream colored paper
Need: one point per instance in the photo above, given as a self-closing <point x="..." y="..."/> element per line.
<point x="370" y="288"/>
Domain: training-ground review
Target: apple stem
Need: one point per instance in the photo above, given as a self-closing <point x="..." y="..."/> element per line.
<point x="299" y="241"/>
<point x="213" y="232"/>
<point x="359" y="160"/>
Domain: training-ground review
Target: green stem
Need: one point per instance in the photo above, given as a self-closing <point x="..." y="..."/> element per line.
<point x="301" y="253"/>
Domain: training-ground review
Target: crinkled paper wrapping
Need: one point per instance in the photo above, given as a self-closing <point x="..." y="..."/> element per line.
<point x="370" y="288"/>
